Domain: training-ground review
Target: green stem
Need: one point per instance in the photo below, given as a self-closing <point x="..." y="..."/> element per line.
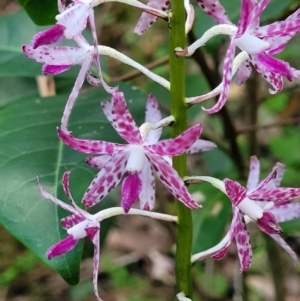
<point x="179" y="111"/>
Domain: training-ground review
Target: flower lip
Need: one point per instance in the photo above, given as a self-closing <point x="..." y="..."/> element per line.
<point x="268" y="224"/>
<point x="65" y="245"/>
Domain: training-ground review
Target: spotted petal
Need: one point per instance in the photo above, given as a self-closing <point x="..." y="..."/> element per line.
<point x="254" y="171"/>
<point x="96" y="242"/>
<point x="152" y="115"/>
<point x="122" y="120"/>
<point x="256" y="12"/>
<point x="74" y="19"/>
<point x="106" y="180"/>
<point x="214" y="9"/>
<point x="235" y="191"/>
<point x="275" y="194"/>
<point x="98" y="161"/>
<point x="55" y="55"/>
<point x="273" y="78"/>
<point x="71" y="220"/>
<point x="89" y="146"/>
<point x="178" y="145"/>
<point x="146" y="20"/>
<point x="171" y="180"/>
<point x="226" y="79"/>
<point x="243" y="244"/>
<point x="147" y="194"/>
<point x="244" y="20"/>
<point x="286" y="212"/>
<point x="243" y="73"/>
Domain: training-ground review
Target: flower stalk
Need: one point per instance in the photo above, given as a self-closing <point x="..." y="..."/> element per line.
<point x="179" y="111"/>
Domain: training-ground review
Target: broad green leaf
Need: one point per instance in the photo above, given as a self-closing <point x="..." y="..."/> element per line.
<point x="30" y="147"/>
<point x="41" y="12"/>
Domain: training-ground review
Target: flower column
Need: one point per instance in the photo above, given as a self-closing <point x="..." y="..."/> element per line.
<point x="179" y="111"/>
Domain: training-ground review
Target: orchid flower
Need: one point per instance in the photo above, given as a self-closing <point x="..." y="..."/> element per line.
<point x="58" y="59"/>
<point x="81" y="224"/>
<point x="260" y="43"/>
<point x="139" y="158"/>
<point x="263" y="202"/>
<point x="72" y="20"/>
<point x="152" y="130"/>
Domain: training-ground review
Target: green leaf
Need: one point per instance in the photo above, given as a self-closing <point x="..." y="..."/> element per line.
<point x="41" y="12"/>
<point x="30" y="147"/>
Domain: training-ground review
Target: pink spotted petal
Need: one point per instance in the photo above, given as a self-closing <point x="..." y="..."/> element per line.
<point x="244" y="20"/>
<point x="275" y="65"/>
<point x="243" y="73"/>
<point x="63" y="246"/>
<point x="282" y="194"/>
<point x="56" y="201"/>
<point x="71" y="220"/>
<point x="89" y="146"/>
<point x="232" y="233"/>
<point x="276" y="180"/>
<point x="214" y="9"/>
<point x="98" y="161"/>
<point x="54" y="70"/>
<point x="86" y="65"/>
<point x="48" y="36"/>
<point x="172" y="180"/>
<point x="271" y="177"/>
<point x="243" y="245"/>
<point x="73" y="19"/>
<point x="256" y="12"/>
<point x="226" y="79"/>
<point x="106" y="180"/>
<point x="273" y="78"/>
<point x="122" y="120"/>
<point x="201" y="146"/>
<point x="146" y="20"/>
<point x="278" y="42"/>
<point x="286" y="212"/>
<point x="254" y="171"/>
<point x="147" y="194"/>
<point x="268" y="224"/>
<point x="55" y="55"/>
<point x="96" y="242"/>
<point x="178" y="145"/>
<point x="153" y="115"/>
<point x="235" y="192"/>
<point x="66" y="184"/>
<point x="286" y="247"/>
<point x="131" y="188"/>
<point x="92" y="80"/>
<point x="287" y="28"/>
